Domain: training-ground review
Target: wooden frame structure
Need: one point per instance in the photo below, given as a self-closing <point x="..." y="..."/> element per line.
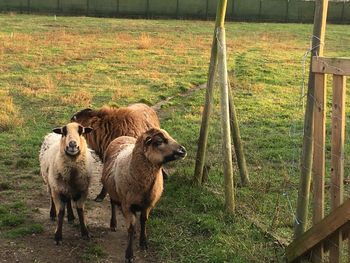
<point x="327" y="233"/>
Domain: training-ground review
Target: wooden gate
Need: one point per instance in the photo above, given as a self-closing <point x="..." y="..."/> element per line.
<point x="327" y="233"/>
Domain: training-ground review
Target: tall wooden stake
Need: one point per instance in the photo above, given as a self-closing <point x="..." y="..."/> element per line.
<point x="203" y="135"/>
<point x="225" y="121"/>
<point x="318" y="37"/>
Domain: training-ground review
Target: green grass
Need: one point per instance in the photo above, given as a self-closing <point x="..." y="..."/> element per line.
<point x="49" y="69"/>
<point x="15" y="221"/>
<point x="93" y="252"/>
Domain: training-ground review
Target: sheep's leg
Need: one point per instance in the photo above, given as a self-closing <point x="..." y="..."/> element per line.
<point x="165" y="174"/>
<point x="70" y="214"/>
<point x="52" y="210"/>
<point x="101" y="195"/>
<point x="60" y="203"/>
<point x="130" y="217"/>
<point x="143" y="235"/>
<point x="80" y="210"/>
<point x="113" y="224"/>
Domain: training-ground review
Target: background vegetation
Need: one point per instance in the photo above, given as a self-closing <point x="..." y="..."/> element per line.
<point x="51" y="68"/>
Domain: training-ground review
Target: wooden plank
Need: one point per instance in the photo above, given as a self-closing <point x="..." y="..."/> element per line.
<point x="319" y="31"/>
<point x="337" y="158"/>
<point x="319" y="232"/>
<point x="318" y="166"/>
<point x="338" y="66"/>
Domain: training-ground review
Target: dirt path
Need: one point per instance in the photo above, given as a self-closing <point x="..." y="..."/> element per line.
<point x="42" y="248"/>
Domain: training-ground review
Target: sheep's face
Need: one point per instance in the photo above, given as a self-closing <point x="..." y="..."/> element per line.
<point x="72" y="141"/>
<point x="83" y="117"/>
<point x="160" y="147"/>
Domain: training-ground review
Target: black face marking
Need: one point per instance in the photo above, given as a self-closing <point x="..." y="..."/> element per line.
<point x="80" y="130"/>
<point x="64" y="131"/>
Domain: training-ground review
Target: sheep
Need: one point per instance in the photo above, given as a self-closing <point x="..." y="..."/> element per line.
<point x="109" y="123"/>
<point x="66" y="168"/>
<point x="132" y="176"/>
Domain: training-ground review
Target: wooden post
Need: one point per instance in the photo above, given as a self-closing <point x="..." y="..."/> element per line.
<point x="207" y="10"/>
<point x="147" y="9"/>
<point x="225" y="121"/>
<point x="237" y="142"/>
<point x="318" y="166"/>
<point x="337" y="158"/>
<point x="28" y="6"/>
<point x="287" y="11"/>
<point x="203" y="135"/>
<point x="306" y="158"/>
<point x="87" y="7"/>
<point x="177" y="8"/>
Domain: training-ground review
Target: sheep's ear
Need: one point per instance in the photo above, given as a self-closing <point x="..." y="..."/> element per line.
<point x="57" y="130"/>
<point x="148" y="141"/>
<point x="87" y="130"/>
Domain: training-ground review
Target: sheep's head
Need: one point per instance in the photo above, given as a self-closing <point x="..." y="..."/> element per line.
<point x="159" y="147"/>
<point x="83" y="117"/>
<point x="72" y="140"/>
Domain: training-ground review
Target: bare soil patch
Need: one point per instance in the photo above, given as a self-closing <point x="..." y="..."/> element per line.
<point x="42" y="248"/>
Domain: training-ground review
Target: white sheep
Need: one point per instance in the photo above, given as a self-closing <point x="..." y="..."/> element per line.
<point x="133" y="178"/>
<point x="66" y="167"/>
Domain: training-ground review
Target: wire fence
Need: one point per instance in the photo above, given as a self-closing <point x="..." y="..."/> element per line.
<point x="241" y="10"/>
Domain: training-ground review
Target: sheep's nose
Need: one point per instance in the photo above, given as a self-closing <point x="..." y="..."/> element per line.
<point x="181" y="151"/>
<point x="72" y="144"/>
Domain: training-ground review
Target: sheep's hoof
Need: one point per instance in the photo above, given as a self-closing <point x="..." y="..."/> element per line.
<point x="129" y="260"/>
<point x="71" y="221"/>
<point x="113" y="229"/>
<point x="143" y="245"/>
<point x="86" y="236"/>
<point x="58" y="239"/>
<point x="52" y="218"/>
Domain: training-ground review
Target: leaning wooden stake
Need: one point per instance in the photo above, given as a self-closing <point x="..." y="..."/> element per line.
<point x="237" y="142"/>
<point x="203" y="135"/>
<point x="306" y="159"/>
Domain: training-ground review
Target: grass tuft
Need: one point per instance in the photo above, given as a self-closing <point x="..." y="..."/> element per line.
<point x="9" y="113"/>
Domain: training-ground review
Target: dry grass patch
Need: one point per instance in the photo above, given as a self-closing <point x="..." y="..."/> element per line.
<point x="38" y="85"/>
<point x="9" y="114"/>
<point x="78" y="98"/>
<point x="144" y="42"/>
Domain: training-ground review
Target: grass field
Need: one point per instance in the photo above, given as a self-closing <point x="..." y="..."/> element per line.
<point x="49" y="69"/>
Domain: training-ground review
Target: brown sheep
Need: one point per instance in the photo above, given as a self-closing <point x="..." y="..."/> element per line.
<point x="132" y="175"/>
<point x="109" y="123"/>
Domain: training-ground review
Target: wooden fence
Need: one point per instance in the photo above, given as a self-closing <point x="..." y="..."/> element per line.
<point x="327" y="233"/>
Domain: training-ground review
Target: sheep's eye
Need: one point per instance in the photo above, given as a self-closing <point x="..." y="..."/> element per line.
<point x="158" y="143"/>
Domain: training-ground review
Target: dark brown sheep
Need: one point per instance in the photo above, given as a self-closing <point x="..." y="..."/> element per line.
<point x="109" y="123"/>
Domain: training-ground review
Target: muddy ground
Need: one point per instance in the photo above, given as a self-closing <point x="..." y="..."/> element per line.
<point x="42" y="248"/>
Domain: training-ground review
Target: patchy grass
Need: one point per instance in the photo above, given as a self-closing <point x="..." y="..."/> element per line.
<point x="14" y="221"/>
<point x="49" y="69"/>
<point x="93" y="252"/>
<point x="9" y="113"/>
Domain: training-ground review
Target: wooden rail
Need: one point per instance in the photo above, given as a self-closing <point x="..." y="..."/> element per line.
<point x="327" y="233"/>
